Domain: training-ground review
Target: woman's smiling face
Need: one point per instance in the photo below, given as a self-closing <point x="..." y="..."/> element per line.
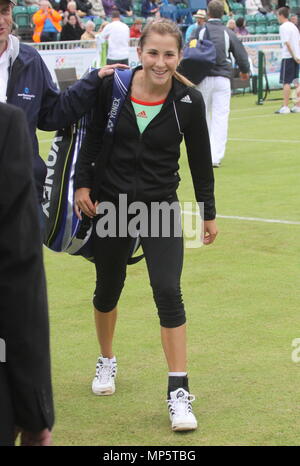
<point x="160" y="57"/>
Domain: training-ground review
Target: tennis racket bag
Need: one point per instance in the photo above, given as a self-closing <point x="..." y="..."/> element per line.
<point x="199" y="57"/>
<point x="64" y="232"/>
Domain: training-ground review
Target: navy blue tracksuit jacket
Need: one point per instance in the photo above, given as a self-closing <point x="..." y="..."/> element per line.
<point x="30" y="87"/>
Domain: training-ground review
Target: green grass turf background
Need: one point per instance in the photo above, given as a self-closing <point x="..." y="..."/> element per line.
<point x="242" y="303"/>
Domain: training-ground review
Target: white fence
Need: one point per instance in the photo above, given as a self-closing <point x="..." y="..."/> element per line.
<point x="78" y="54"/>
<point x="82" y="54"/>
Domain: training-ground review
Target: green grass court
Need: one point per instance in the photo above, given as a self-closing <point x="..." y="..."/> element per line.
<point x="242" y="303"/>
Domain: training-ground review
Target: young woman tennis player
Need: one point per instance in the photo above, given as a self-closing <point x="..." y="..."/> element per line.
<point x="161" y="109"/>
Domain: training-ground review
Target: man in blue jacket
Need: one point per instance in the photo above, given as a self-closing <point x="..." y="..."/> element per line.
<point x="26" y="403"/>
<point x="26" y="82"/>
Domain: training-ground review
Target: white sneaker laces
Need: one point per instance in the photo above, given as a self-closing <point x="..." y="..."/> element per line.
<point x="181" y="405"/>
<point x="103" y="372"/>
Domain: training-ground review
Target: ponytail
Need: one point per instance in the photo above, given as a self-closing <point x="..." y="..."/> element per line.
<point x="183" y="79"/>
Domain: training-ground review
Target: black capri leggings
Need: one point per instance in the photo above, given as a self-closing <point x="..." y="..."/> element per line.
<point x="164" y="259"/>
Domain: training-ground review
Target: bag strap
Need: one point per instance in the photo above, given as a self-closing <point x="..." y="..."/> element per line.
<point x="121" y="84"/>
<point x="122" y="80"/>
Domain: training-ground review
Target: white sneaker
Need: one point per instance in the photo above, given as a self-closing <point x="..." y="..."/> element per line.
<point x="180" y="410"/>
<point x="104" y="381"/>
<point x="283" y="110"/>
<point x="295" y="109"/>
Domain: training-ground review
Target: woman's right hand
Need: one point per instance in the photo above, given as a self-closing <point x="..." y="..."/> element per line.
<point x="83" y="203"/>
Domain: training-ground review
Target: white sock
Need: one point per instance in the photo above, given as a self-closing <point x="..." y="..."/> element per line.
<point x="177" y="374"/>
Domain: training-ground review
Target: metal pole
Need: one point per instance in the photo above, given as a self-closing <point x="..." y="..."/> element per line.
<point x="260" y="79"/>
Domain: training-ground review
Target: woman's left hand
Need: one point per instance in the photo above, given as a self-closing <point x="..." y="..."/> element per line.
<point x="109" y="69"/>
<point x="210" y="231"/>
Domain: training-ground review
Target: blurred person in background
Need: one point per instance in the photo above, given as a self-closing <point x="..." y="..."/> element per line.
<point x="72" y="30"/>
<point x="46" y="23"/>
<point x="136" y="29"/>
<point x="253" y="6"/>
<point x="97" y="8"/>
<point x="290" y="53"/>
<point x="84" y="7"/>
<point x="117" y="34"/>
<point x="71" y="9"/>
<point x="294" y="19"/>
<point x="241" y="29"/>
<point x="31" y="2"/>
<point x="108" y="6"/>
<point x="200" y="19"/>
<point x="89" y="33"/>
<point x="124" y="7"/>
<point x="216" y="87"/>
<point x="231" y="24"/>
<point x="149" y="8"/>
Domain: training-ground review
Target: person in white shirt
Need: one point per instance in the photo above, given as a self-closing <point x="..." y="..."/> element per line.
<point x="289" y="71"/>
<point x="117" y="34"/>
<point x="253" y="6"/>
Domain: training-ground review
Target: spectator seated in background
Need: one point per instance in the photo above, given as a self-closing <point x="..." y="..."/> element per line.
<point x="231" y="24"/>
<point x="199" y="19"/>
<point x="71" y="10"/>
<point x="190" y="30"/>
<point x="80" y="7"/>
<point x="149" y="8"/>
<point x="294" y="20"/>
<point x="183" y="13"/>
<point x="32" y="2"/>
<point x="136" y="29"/>
<point x="89" y="33"/>
<point x="108" y="6"/>
<point x="64" y="5"/>
<point x="97" y="8"/>
<point x="72" y="30"/>
<point x="83" y="8"/>
<point x="55" y="5"/>
<point x="47" y="23"/>
<point x="267" y="5"/>
<point x="253" y="6"/>
<point x="124" y="7"/>
<point x="241" y="29"/>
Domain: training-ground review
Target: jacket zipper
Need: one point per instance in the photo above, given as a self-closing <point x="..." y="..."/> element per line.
<point x="138" y="153"/>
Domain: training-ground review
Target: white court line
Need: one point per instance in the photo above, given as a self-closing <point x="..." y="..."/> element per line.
<point x="255" y="107"/>
<point x="254" y="116"/>
<point x="285" y="141"/>
<point x="249" y="219"/>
